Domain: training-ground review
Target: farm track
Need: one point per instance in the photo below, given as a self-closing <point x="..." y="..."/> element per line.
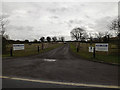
<point x="66" y="68"/>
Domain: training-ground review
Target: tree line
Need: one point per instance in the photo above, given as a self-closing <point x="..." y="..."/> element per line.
<point x="77" y="33"/>
<point x="80" y="34"/>
<point x="5" y="38"/>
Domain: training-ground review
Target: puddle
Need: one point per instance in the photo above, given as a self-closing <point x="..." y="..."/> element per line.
<point x="50" y="60"/>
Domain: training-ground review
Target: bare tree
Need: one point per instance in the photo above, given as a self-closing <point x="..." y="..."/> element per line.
<point x="42" y="39"/>
<point x="115" y="25"/>
<point x="77" y="33"/>
<point x="3" y="24"/>
<point x="85" y="36"/>
<point x="99" y="36"/>
<point x="90" y="37"/>
<point x="54" y="39"/>
<point x="59" y="38"/>
<point x="48" y="39"/>
<point x="107" y="36"/>
<point x="62" y="39"/>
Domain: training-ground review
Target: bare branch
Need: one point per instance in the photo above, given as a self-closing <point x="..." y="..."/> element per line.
<point x="77" y="33"/>
<point x="3" y="24"/>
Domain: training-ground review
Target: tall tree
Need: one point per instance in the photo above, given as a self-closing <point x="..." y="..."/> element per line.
<point x="42" y="39"/>
<point x="54" y="39"/>
<point x="26" y="41"/>
<point x="3" y="24"/>
<point x="99" y="36"/>
<point x="115" y="25"/>
<point x="90" y="37"/>
<point x="62" y="39"/>
<point x="107" y="36"/>
<point x="77" y="33"/>
<point x="85" y="36"/>
<point x="48" y="39"/>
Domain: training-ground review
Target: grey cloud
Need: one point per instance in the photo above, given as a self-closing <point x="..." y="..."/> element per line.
<point x="91" y="25"/>
<point x="54" y="17"/>
<point x="102" y="23"/>
<point x="20" y="32"/>
<point x="87" y="16"/>
<point x="30" y="12"/>
<point x="63" y="9"/>
<point x="20" y="28"/>
<point x="5" y="15"/>
<point x="73" y="22"/>
<point x="54" y="10"/>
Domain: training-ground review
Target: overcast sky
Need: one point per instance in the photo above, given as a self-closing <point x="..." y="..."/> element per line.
<point x="36" y="19"/>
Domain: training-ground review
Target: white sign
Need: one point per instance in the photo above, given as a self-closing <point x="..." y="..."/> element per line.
<point x="91" y="49"/>
<point x="18" y="46"/>
<point x="101" y="46"/>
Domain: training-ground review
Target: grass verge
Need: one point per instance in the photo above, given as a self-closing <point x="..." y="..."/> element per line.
<point x="31" y="50"/>
<point x="100" y="56"/>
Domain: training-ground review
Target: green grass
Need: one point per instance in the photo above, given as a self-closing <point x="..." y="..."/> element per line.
<point x="108" y="57"/>
<point x="30" y="49"/>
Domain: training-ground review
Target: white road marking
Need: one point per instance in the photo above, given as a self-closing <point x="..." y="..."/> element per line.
<point x="50" y="60"/>
<point x="62" y="83"/>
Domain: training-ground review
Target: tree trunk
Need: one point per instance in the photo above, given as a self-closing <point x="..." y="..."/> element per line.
<point x="42" y="46"/>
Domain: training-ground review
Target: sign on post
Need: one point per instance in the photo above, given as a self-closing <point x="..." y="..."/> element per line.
<point x="91" y="49"/>
<point x="18" y="46"/>
<point x="101" y="47"/>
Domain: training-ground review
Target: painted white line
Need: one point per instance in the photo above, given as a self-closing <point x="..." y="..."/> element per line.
<point x="61" y="83"/>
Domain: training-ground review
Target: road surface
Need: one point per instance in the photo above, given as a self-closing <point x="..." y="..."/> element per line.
<point x="60" y="65"/>
<point x="9" y="83"/>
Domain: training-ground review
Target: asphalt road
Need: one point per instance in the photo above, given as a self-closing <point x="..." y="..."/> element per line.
<point x="64" y="68"/>
<point x="8" y="83"/>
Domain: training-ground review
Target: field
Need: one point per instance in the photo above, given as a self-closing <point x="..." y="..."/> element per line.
<point x="112" y="56"/>
<point x="31" y="49"/>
